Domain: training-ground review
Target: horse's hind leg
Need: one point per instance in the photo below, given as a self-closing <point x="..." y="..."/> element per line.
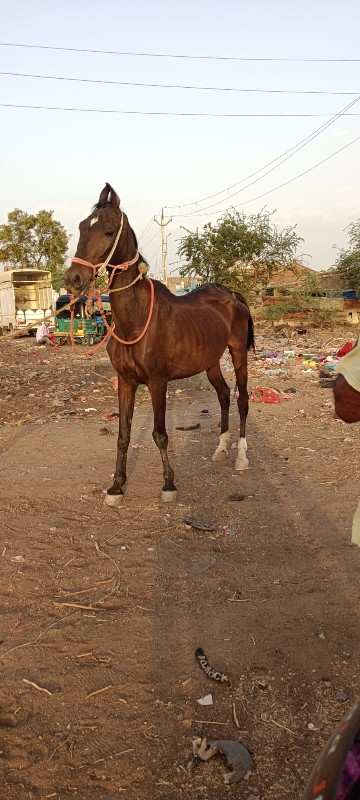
<point x="158" y="395"/>
<point x="223" y="392"/>
<point x="238" y="351"/>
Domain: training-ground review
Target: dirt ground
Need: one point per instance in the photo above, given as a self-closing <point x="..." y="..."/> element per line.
<point x="101" y="612"/>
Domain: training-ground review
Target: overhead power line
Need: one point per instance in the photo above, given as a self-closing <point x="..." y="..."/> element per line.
<point x="154" y="255"/>
<point x="147" y="228"/>
<point x="281" y="160"/>
<point x="174" y="85"/>
<point x="151" y="240"/>
<point x="162" y="113"/>
<point x="280" y="185"/>
<point x="191" y="57"/>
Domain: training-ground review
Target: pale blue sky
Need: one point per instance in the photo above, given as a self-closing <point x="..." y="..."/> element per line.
<point x="61" y="160"/>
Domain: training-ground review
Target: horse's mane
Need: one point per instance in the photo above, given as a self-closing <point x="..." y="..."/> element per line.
<point x="134" y="237"/>
<point x="141" y="257"/>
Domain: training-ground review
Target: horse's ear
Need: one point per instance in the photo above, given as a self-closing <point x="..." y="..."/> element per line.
<point x="108" y="195"/>
<point x="104" y="196"/>
<point x="114" y="198"/>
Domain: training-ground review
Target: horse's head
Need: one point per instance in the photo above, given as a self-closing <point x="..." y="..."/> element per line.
<point x="98" y="233"/>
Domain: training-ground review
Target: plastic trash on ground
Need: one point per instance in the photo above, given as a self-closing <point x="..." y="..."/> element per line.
<point x="237" y="756"/>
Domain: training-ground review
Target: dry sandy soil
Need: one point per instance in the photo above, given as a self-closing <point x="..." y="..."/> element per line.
<point x="101" y="613"/>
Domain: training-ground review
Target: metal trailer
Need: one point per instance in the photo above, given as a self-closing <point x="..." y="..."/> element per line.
<point x="25" y="298"/>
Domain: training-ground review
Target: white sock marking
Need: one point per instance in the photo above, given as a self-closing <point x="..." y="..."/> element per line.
<point x="241" y="462"/>
<point x="222" y="448"/>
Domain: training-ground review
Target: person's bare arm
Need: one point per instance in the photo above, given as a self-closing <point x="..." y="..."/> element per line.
<point x="347" y="401"/>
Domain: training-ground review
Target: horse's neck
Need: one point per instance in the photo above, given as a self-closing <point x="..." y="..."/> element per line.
<point x="129" y="303"/>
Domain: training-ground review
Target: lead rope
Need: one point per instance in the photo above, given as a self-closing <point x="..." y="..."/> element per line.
<point x="100" y="269"/>
<point x="111" y="328"/>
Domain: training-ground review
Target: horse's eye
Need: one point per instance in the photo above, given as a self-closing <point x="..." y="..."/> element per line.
<point x="109" y="233"/>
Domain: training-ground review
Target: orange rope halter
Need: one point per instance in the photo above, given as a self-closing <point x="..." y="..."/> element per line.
<point x="97" y="293"/>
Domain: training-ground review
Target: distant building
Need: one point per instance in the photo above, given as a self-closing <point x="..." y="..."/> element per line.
<point x="183" y="285"/>
<point x="285" y="281"/>
<point x="323" y="289"/>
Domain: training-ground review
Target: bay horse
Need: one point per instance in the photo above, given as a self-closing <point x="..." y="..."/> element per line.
<point x="159" y="337"/>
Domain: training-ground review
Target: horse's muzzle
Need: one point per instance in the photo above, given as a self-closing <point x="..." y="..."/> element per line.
<point x="76" y="279"/>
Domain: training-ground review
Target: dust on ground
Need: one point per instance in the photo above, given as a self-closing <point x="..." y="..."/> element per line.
<point x="101" y="615"/>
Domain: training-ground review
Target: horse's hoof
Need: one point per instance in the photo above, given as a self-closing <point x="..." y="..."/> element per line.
<point x="222" y="448"/>
<point x="242" y="464"/>
<point x="219" y="455"/>
<point x="113" y="500"/>
<point x="168" y="497"/>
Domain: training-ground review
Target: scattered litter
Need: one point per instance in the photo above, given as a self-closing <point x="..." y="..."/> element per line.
<point x="273" y="372"/>
<point x="198" y="524"/>
<point x="90" y="409"/>
<point x="347" y="347"/>
<point x="342" y="696"/>
<point x="18" y="559"/>
<point x="207" y="700"/>
<point x="311" y="727"/>
<point x="106" y="432"/>
<point x="291" y="390"/>
<point x="237" y="756"/>
<point x="137" y="446"/>
<point x="201" y="565"/>
<point x="188" y="427"/>
<point x="276" y="582"/>
<point x="215" y="675"/>
<point x="230" y="533"/>
<point x="320" y="634"/>
<point x="264" y="394"/>
<point x="109" y="415"/>
<point x="236" y="498"/>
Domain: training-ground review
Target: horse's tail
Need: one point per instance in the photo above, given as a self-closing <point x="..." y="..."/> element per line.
<point x="251" y="334"/>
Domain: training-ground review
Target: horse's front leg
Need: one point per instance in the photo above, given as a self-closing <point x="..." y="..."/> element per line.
<point x="126" y="393"/>
<point x="158" y="397"/>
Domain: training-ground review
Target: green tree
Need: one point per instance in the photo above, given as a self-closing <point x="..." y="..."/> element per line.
<point x="240" y="251"/>
<point x="347" y="264"/>
<point x="34" y="241"/>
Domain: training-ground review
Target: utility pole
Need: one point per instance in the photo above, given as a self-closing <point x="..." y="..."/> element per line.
<point x="163" y="225"/>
